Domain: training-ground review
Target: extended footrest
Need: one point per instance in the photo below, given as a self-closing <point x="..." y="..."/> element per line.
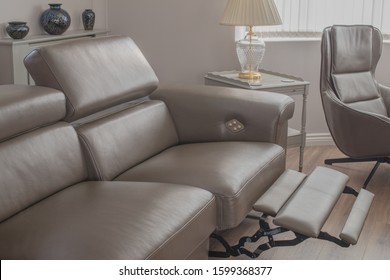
<point x="302" y="204"/>
<point x="356" y="218"/>
<point x="308" y="208"/>
<point x="276" y="196"/>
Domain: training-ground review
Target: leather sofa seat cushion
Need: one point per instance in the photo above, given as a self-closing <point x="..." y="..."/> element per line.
<point x="111" y="220"/>
<point x="237" y="173"/>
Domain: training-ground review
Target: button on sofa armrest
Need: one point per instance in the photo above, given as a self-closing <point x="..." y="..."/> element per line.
<point x="206" y="113"/>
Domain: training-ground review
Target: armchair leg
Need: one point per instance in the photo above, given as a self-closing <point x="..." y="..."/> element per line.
<point x="371" y="174"/>
<point x="350" y="160"/>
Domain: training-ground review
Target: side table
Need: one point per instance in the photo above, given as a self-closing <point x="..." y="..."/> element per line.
<point x="274" y="82"/>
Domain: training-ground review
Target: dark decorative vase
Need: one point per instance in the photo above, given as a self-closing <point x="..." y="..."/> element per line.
<point x="88" y="17"/>
<point x="55" y="20"/>
<point x="17" y="29"/>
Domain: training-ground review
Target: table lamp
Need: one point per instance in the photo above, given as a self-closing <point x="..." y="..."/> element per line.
<point x="250" y="50"/>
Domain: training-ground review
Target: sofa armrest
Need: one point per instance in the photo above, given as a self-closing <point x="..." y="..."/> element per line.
<point x="200" y="113"/>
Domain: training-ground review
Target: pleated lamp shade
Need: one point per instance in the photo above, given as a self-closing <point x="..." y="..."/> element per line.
<point x="251" y="13"/>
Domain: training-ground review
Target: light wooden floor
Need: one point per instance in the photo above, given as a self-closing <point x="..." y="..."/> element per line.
<point x="374" y="242"/>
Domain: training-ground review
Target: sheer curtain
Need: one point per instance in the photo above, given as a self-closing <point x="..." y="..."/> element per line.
<point x="307" y="18"/>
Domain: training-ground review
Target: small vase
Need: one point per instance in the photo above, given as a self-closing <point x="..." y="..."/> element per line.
<point x="88" y="17"/>
<point x="17" y="29"/>
<point x="55" y="20"/>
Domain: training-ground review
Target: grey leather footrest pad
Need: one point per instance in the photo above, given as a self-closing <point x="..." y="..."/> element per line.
<point x="309" y="207"/>
<point x="276" y="196"/>
<point x="356" y="218"/>
<point x="303" y="203"/>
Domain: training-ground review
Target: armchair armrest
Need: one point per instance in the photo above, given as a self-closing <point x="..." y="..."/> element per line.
<point x="358" y="134"/>
<point x="200" y="113"/>
<point x="385" y="92"/>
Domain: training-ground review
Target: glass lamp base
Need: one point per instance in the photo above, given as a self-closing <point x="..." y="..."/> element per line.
<point x="250" y="75"/>
<point x="250" y="52"/>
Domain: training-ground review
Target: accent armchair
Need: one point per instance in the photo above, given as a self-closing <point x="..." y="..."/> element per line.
<point x="356" y="106"/>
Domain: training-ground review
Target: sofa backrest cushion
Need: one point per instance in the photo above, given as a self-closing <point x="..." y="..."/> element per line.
<point x="94" y="74"/>
<point x="117" y="142"/>
<point x="38" y="155"/>
<point x="26" y="107"/>
<point x="37" y="164"/>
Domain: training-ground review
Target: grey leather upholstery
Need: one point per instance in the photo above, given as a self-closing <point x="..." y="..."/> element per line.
<point x="236" y="172"/>
<point x="179" y="136"/>
<point x="111" y="220"/>
<point x="276" y="196"/>
<point x="35" y="164"/>
<point x="103" y="79"/>
<point x="28" y="107"/>
<point x="200" y="113"/>
<point x="356" y="106"/>
<point x="320" y="192"/>
<point x="48" y="209"/>
<point x="112" y="144"/>
<point x="302" y="204"/>
<point x="122" y="140"/>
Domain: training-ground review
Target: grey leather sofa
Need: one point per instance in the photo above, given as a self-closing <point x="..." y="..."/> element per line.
<point x="50" y="210"/>
<point x="108" y="164"/>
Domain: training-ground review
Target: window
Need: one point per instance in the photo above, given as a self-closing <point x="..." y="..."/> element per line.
<point x="308" y="18"/>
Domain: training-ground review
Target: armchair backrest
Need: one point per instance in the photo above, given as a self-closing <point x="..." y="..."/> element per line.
<point x="350" y="55"/>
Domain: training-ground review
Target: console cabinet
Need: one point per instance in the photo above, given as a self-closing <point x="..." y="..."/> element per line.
<point x="12" y="53"/>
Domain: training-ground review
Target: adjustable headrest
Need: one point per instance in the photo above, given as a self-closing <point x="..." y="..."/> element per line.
<point x="350" y="55"/>
<point x="355" y="48"/>
<point x="24" y="108"/>
<point x="94" y="74"/>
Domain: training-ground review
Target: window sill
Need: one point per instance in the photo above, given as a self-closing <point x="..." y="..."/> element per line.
<point x="302" y="39"/>
<point x="292" y="39"/>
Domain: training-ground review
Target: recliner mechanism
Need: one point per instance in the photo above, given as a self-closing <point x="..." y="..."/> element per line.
<point x="264" y="230"/>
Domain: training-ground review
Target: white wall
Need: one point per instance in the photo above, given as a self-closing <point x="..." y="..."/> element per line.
<point x="182" y="39"/>
<point x="30" y="11"/>
<point x="300" y="59"/>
